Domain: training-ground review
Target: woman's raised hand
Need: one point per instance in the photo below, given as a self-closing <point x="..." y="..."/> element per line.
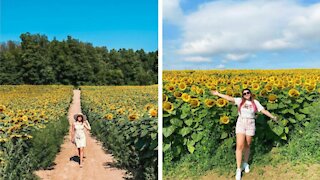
<point x="87" y="125"/>
<point x="215" y="93"/>
<point x="87" y="122"/>
<point x="274" y="118"/>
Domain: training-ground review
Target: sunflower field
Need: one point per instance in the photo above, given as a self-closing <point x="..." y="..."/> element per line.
<point x="32" y="125"/>
<point x="124" y="118"/>
<point x="195" y="120"/>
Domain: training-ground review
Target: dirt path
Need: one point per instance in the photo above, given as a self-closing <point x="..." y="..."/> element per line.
<point x="279" y="172"/>
<point x="97" y="164"/>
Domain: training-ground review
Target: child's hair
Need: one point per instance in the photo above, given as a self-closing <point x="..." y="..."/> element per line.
<point x="244" y="100"/>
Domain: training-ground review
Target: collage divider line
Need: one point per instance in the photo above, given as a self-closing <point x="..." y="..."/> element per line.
<point x="160" y="122"/>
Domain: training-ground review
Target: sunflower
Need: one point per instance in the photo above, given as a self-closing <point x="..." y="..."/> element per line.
<point x="4" y="140"/>
<point x="193" y="88"/>
<point x="310" y="88"/>
<point x="120" y="111"/>
<point x="313" y="83"/>
<point x="24" y="118"/>
<point x="185" y="97"/>
<point x="280" y="86"/>
<point x="42" y="115"/>
<point x="272" y="98"/>
<point x="237" y="94"/>
<point x="285" y="84"/>
<point x="15" y="136"/>
<point x="208" y="85"/>
<point x="41" y="126"/>
<point x="221" y="102"/>
<point x="229" y="92"/>
<point x="112" y="107"/>
<point x="271" y="78"/>
<point x="2" y="108"/>
<point x="170" y="87"/>
<point x="148" y="106"/>
<point x="307" y="81"/>
<point x="244" y="86"/>
<point x="276" y="83"/>
<point x="209" y="102"/>
<point x="164" y="98"/>
<point x="222" y="88"/>
<point x="108" y="116"/>
<point x="153" y="112"/>
<point x="194" y="102"/>
<point x="177" y="94"/>
<point x="168" y="106"/>
<point x="182" y="86"/>
<point x="290" y="85"/>
<point x="200" y="91"/>
<point x="229" y="82"/>
<point x="236" y="87"/>
<point x="255" y="86"/>
<point x="264" y="79"/>
<point x="263" y="93"/>
<point x="190" y="80"/>
<point x="133" y="116"/>
<point x="224" y="119"/>
<point x="268" y="88"/>
<point x="26" y="136"/>
<point x="297" y="82"/>
<point x="294" y="93"/>
<point x="254" y="96"/>
<point x="213" y="88"/>
<point x="35" y="120"/>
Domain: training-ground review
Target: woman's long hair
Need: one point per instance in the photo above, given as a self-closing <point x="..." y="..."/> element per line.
<point x="82" y="120"/>
<point x="255" y="109"/>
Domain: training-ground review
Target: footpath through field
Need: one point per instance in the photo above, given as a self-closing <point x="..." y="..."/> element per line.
<point x="97" y="164"/>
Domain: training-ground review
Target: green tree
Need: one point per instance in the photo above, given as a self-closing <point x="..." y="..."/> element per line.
<point x="36" y="60"/>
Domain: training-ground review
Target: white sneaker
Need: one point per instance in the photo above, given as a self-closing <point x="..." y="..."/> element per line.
<point x="245" y="167"/>
<point x="238" y="174"/>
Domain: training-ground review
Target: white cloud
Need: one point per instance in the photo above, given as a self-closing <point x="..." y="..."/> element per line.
<point x="172" y="12"/>
<point x="220" y="66"/>
<point x="237" y="57"/>
<point x="197" y="59"/>
<point x="236" y="29"/>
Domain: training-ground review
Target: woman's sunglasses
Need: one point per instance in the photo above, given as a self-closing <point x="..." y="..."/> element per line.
<point x="245" y="93"/>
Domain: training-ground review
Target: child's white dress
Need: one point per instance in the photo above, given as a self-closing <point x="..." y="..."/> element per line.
<point x="80" y="137"/>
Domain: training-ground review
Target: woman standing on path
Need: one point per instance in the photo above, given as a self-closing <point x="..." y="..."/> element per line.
<point x="245" y="127"/>
<point x="77" y="134"/>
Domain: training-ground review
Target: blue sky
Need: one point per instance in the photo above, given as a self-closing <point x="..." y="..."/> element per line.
<point x="112" y="23"/>
<point x="241" y="34"/>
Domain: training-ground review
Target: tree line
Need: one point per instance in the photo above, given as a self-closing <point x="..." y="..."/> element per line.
<point x="36" y="60"/>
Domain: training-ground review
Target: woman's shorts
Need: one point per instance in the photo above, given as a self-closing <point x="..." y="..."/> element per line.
<point x="246" y="126"/>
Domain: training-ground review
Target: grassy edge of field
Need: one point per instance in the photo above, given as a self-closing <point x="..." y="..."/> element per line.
<point x="300" y="154"/>
<point x="134" y="153"/>
<point x="39" y="152"/>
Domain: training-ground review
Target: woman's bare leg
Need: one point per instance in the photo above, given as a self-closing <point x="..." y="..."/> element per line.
<point x="240" y="146"/>
<point x="247" y="148"/>
<point x="81" y="156"/>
